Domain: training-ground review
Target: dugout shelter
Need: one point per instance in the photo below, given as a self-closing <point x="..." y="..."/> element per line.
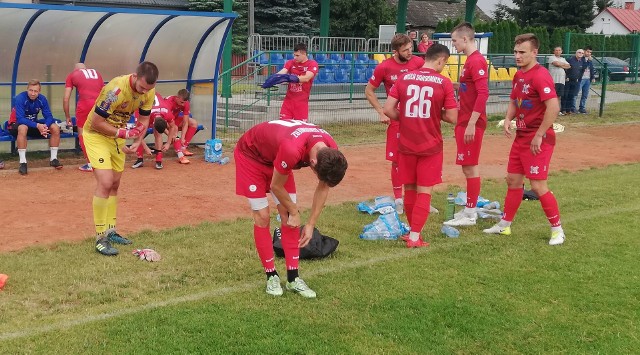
<point x="45" y="41"/>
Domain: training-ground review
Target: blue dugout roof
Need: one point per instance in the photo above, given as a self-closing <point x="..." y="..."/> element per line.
<point x="45" y="41"/>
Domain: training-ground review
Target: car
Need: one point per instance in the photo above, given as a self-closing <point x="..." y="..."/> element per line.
<point x="618" y="69"/>
<point x="509" y="61"/>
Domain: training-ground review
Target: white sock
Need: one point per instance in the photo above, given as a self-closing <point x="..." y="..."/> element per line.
<point x="180" y="154"/>
<point x="22" y="153"/>
<point x="414" y="236"/>
<point x="504" y="224"/>
<point x="471" y="212"/>
<point x="54" y="153"/>
<point x="556" y="229"/>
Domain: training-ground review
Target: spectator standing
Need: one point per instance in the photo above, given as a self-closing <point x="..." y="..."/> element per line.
<point x="588" y="77"/>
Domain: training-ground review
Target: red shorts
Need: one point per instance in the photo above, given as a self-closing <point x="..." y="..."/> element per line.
<point x="468" y="154"/>
<point x="523" y="162"/>
<point x="393" y="138"/>
<point x="420" y="170"/>
<point x="83" y="108"/>
<point x="253" y="179"/>
<point x="294" y="110"/>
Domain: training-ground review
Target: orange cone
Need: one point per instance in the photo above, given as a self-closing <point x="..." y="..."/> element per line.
<point x="3" y="280"/>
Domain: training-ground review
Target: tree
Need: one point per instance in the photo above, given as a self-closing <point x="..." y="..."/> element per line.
<point x="357" y="18"/>
<point x="603" y="4"/>
<point x="240" y="25"/>
<point x="554" y="13"/>
<point x="285" y="17"/>
<point x="502" y="12"/>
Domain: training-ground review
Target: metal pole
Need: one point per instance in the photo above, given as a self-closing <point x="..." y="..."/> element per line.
<point x="251" y="17"/>
<point x="324" y="18"/>
<point x="226" y="55"/>
<point x="471" y="10"/>
<point x="604" y="76"/>
<point x="401" y="23"/>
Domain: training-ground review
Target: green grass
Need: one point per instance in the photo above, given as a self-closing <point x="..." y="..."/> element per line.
<point x="628" y="88"/>
<point x="474" y="294"/>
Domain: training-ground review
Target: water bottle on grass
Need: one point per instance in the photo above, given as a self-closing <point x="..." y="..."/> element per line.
<point x="450" y="208"/>
<point x="450" y="232"/>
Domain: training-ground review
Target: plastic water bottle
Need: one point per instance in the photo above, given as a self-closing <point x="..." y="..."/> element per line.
<point x="223" y="161"/>
<point x="450" y="232"/>
<point x="450" y="208"/>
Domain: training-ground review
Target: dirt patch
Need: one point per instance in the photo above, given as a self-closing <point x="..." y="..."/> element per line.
<point x="48" y="206"/>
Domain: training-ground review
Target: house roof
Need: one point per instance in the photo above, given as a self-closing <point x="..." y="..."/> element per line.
<point x="628" y="18"/>
<point x="429" y="13"/>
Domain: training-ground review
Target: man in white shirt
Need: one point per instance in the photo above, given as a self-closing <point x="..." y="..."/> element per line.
<point x="557" y="65"/>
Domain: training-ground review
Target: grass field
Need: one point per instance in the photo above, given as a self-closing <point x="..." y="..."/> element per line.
<point x="474" y="294"/>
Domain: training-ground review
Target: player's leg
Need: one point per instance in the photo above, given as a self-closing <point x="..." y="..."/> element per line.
<point x="82" y="111"/>
<point x="54" y="143"/>
<point x="157" y="138"/>
<point x="467" y="156"/>
<point x="393" y="134"/>
<point x="513" y="199"/>
<point x="428" y="173"/>
<point x="537" y="175"/>
<point x="192" y="129"/>
<point x="252" y="183"/>
<point x="20" y="133"/>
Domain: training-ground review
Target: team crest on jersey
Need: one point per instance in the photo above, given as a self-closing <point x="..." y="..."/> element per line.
<point x="394" y="77"/>
<point x="525" y="88"/>
<point x="283" y="164"/>
<point x="112" y="96"/>
<point x="124" y="105"/>
<point x="481" y="72"/>
<point x="252" y="188"/>
<point x="546" y="90"/>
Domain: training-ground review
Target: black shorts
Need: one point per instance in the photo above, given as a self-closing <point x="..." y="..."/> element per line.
<point x="560" y="89"/>
<point x="31" y="132"/>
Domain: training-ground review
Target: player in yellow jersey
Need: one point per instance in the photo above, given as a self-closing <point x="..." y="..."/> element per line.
<point x="105" y="137"/>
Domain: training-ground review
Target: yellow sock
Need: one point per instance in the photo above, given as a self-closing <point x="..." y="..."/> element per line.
<point x="112" y="207"/>
<point x="100" y="214"/>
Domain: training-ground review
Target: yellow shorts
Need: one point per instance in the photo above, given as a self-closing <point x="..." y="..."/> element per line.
<point x="104" y="152"/>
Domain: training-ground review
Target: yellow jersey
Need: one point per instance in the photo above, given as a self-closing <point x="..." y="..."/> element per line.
<point x="118" y="101"/>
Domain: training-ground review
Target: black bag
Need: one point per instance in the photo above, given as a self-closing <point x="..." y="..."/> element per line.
<point x="320" y="246"/>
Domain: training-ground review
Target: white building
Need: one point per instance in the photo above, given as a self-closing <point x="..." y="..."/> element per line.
<point x="613" y="21"/>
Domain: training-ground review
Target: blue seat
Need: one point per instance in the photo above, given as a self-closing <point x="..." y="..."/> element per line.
<point x="337" y="57"/>
<point x="341" y="76"/>
<point x="362" y="57"/>
<point x="263" y="59"/>
<point x="360" y="76"/>
<point x="325" y="76"/>
<point x="310" y="56"/>
<point x="288" y="56"/>
<point x="6" y="136"/>
<point x="321" y="58"/>
<point x="369" y="72"/>
<point x="277" y="59"/>
<point x="348" y="56"/>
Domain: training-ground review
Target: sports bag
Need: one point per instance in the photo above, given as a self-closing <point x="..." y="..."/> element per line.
<point x="320" y="246"/>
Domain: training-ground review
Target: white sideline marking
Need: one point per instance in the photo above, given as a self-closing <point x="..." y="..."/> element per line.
<point x="321" y="271"/>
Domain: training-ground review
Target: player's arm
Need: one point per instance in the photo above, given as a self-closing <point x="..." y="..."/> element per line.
<point x="319" y="200"/>
<point x="277" y="188"/>
<point x="450" y="115"/>
<point x="511" y="112"/>
<point x="65" y="104"/>
<point x="370" y="93"/>
<point x="21" y="118"/>
<point x="550" y="114"/>
<point x="391" y="108"/>
<point x="306" y="77"/>
<point x="46" y="111"/>
<point x="482" y="90"/>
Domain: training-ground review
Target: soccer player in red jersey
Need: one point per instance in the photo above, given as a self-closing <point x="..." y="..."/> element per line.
<point x="265" y="158"/>
<point x="187" y="125"/>
<point x="296" y="101"/>
<point x="387" y="72"/>
<point x="534" y="105"/>
<point x="162" y="121"/>
<point x="417" y="101"/>
<point x="473" y="93"/>
<point x="88" y="83"/>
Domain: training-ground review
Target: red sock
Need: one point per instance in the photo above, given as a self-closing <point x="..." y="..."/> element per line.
<point x="84" y="150"/>
<point x="512" y="203"/>
<point x="395" y="181"/>
<point x="140" y="151"/>
<point x="550" y="208"/>
<point x="409" y="202"/>
<point x="290" y="242"/>
<point x="473" y="191"/>
<point x="177" y="145"/>
<point x="191" y="131"/>
<point x="264" y="245"/>
<point x="420" y="212"/>
<point x="159" y="156"/>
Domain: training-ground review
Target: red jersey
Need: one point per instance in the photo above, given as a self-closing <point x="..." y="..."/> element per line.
<point x="474" y="90"/>
<point x="175" y="108"/>
<point x="283" y="144"/>
<point x="421" y="95"/>
<point x="162" y="108"/>
<point x="88" y="83"/>
<point x="389" y="70"/>
<point x="530" y="90"/>
<point x="300" y="91"/>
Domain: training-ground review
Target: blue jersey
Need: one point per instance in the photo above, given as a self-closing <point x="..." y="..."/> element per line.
<point x="27" y="110"/>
